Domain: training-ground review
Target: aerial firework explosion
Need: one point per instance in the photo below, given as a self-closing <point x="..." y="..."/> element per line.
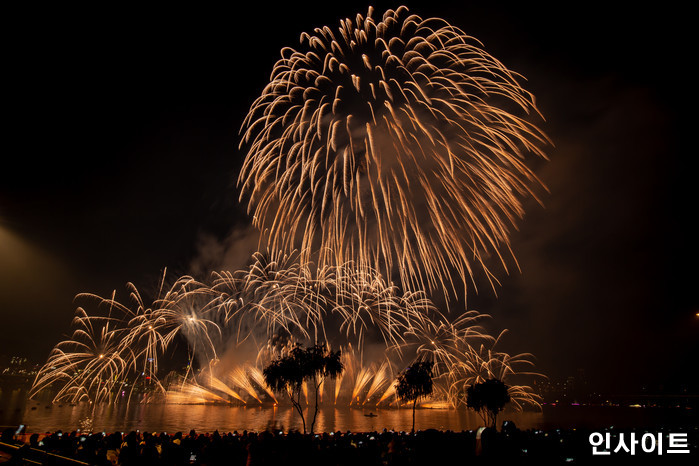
<point x="90" y="363"/>
<point x="396" y="144"/>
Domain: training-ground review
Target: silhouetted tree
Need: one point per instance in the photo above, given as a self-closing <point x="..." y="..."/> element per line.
<point x="415" y="382"/>
<point x="487" y="399"/>
<point x="315" y="364"/>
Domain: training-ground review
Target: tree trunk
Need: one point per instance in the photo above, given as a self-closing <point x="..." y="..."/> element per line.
<point x="303" y="419"/>
<point x="297" y="405"/>
<point x="414" y="403"/>
<point x="315" y="413"/>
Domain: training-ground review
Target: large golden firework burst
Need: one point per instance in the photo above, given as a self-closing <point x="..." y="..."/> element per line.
<point x="399" y="144"/>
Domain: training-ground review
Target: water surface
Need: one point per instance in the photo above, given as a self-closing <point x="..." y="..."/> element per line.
<point x="42" y="416"/>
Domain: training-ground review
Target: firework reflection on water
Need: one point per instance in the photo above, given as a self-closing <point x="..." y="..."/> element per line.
<point x="171" y="418"/>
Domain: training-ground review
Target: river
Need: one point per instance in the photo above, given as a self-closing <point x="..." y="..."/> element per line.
<point x="41" y="416"/>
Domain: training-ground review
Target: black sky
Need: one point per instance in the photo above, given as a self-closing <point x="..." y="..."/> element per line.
<point x="120" y="152"/>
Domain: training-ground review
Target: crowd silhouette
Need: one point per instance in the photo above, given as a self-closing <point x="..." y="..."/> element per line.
<point x="427" y="447"/>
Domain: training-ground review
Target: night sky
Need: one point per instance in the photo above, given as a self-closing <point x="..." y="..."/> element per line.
<point x="120" y="157"/>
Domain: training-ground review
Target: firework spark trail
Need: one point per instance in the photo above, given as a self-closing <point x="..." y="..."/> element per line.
<point x="90" y="364"/>
<point x="146" y="325"/>
<point x="479" y="363"/>
<point x="256" y="376"/>
<point x="381" y="377"/>
<point x="239" y="376"/>
<point x="220" y="385"/>
<point x="264" y="297"/>
<point x="174" y="311"/>
<point x="366" y="302"/>
<point x="390" y="392"/>
<point x="396" y="143"/>
<point x="108" y="353"/>
<point x="193" y="393"/>
<point x="433" y="337"/>
<point x="351" y="363"/>
<point x="277" y="293"/>
<point x="360" y="382"/>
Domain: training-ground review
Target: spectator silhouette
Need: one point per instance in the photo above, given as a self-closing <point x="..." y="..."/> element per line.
<point x="174" y="453"/>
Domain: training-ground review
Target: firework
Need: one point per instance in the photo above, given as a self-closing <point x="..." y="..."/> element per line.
<point x="476" y="363"/>
<point x="391" y="149"/>
<point x="258" y="314"/>
<point x="176" y="311"/>
<point x="373" y="382"/>
<point x="276" y="293"/>
<point x="90" y="365"/>
<point x="117" y="349"/>
<point x="398" y="143"/>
